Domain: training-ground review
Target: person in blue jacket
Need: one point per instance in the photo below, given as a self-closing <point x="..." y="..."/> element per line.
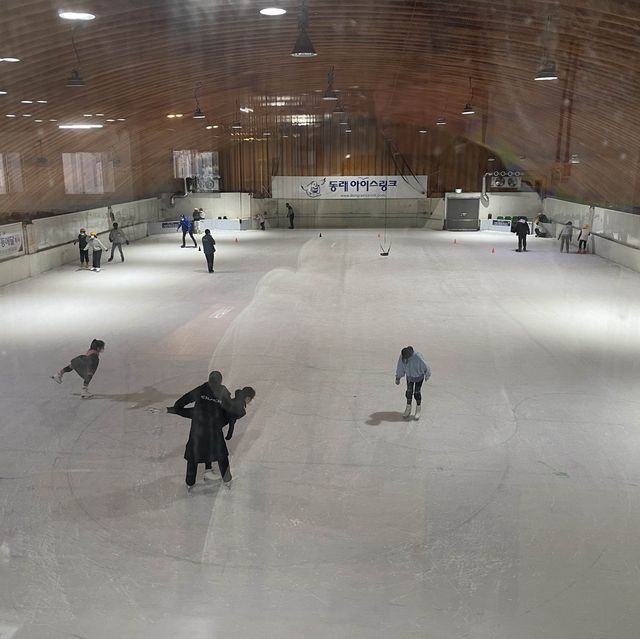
<point x="187" y="227"/>
<point x="412" y="366"/>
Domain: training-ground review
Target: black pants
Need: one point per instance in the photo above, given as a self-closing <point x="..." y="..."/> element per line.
<point x="69" y="368"/>
<point x="413" y="390"/>
<point x="192" y="471"/>
<point x="582" y="245"/>
<point x="184" y="237"/>
<point x="113" y="248"/>
<point x="209" y="257"/>
<point x="84" y="256"/>
<point x="291" y="222"/>
<point x="262" y="226"/>
<point x="522" y="242"/>
<point x="97" y="256"/>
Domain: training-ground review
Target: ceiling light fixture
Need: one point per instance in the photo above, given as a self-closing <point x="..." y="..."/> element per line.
<point x="330" y="93"/>
<point x="112" y="120"/>
<point x="3" y="93"/>
<point x="468" y="108"/>
<point x="38" y="120"/>
<point x="547" y="69"/>
<point x="75" y="79"/>
<point x="82" y="16"/>
<point x="27" y="115"/>
<point x="42" y="101"/>
<point x="272" y="11"/>
<point x="338" y="108"/>
<point x="440" y="122"/>
<point x="236" y="125"/>
<point x="198" y="113"/>
<point x="9" y="59"/>
<point x="246" y="109"/>
<point x="423" y="131"/>
<point x="10" y="115"/>
<point x="303" y="48"/>
<point x="26" y="101"/>
<point x="79" y="126"/>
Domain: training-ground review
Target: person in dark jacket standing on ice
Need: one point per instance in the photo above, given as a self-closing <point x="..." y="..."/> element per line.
<point x="290" y="214"/>
<point x="85" y="365"/>
<point x="213" y="408"/>
<point x="521" y="229"/>
<point x="208" y="248"/>
<point x="84" y="251"/>
<point x="117" y="239"/>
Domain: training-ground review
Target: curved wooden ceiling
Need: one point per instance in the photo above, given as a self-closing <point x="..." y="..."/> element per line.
<point x="402" y="63"/>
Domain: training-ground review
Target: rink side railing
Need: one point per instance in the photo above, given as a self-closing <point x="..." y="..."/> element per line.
<point x="28" y="249"/>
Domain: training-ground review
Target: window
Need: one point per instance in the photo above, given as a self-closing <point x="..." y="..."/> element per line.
<point x="11" y="173"/>
<point x="203" y="165"/>
<point x="88" y="173"/>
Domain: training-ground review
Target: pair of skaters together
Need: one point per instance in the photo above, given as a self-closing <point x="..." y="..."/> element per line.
<point x="91" y="243"/>
<point x="213" y="409"/>
<point x="413" y="366"/>
<point x="567" y="233"/>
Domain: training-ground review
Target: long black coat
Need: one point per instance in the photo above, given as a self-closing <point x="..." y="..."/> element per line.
<point x="211" y="412"/>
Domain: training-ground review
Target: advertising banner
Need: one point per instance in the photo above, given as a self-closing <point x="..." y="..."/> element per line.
<point x="331" y="187"/>
<point x="11" y="241"/>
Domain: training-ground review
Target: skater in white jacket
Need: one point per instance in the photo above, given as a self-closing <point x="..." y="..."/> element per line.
<point x="95" y="246"/>
<point x="412" y="366"/>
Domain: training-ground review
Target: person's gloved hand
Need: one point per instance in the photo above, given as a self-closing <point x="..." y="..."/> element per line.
<point x="127" y="242"/>
<point x="397" y="381"/>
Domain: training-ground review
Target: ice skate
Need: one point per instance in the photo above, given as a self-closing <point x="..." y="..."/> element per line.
<point x="209" y="475"/>
<point x="189" y="489"/>
<point x="407" y="411"/>
<point x="110" y="259"/>
<point x="97" y="270"/>
<point x="57" y="378"/>
<point x="86" y="394"/>
<point x="417" y="415"/>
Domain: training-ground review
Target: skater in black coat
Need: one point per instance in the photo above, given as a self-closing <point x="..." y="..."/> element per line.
<point x="213" y="409"/>
<point x="521" y="229"/>
<point x="209" y="248"/>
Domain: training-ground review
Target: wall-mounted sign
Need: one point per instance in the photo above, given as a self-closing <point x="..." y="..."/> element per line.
<point x="349" y="187"/>
<point x="11" y="241"/>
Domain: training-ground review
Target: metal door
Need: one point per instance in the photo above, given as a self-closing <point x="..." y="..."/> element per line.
<point x="462" y="214"/>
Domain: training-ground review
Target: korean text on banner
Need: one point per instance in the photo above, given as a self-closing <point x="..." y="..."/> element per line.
<point x="11" y="241"/>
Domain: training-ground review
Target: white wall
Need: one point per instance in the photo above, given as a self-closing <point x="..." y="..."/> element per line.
<point x="233" y="205"/>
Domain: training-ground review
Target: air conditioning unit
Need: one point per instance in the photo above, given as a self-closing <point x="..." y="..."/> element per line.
<point x="506" y="180"/>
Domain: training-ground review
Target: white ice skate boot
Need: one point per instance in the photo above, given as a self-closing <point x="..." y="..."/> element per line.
<point x="85" y="394"/>
<point x="417" y="415"/>
<point x="57" y="377"/>
<point x="208" y="475"/>
<point x="407" y="411"/>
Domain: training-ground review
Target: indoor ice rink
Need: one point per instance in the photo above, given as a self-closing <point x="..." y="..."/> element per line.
<point x="510" y="508"/>
<point x="369" y="172"/>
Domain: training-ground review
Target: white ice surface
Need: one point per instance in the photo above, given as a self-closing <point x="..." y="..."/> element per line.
<point x="511" y="510"/>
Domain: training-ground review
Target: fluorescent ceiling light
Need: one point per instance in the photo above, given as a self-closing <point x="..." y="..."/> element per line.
<point x="42" y="101"/>
<point x="198" y="114"/>
<point x="75" y="15"/>
<point x="171" y="115"/>
<point x="246" y="109"/>
<point x="547" y="71"/>
<point x="26" y="115"/>
<point x="26" y="101"/>
<point x="347" y="130"/>
<point x="3" y="93"/>
<point x="87" y="115"/>
<point x="272" y="11"/>
<point x="236" y="125"/>
<point x="38" y="120"/>
<point x="468" y="109"/>
<point x="423" y="130"/>
<point x="112" y="120"/>
<point x="10" y="115"/>
<point x="9" y="59"/>
<point x="347" y="156"/>
<point x="52" y="120"/>
<point x="123" y="119"/>
<point x="440" y="121"/>
<point x="100" y="115"/>
<point x="79" y="126"/>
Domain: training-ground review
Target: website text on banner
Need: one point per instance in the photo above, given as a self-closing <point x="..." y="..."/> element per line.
<point x="11" y="241"/>
<point x="332" y="187"/>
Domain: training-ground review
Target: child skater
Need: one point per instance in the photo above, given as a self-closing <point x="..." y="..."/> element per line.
<point x="96" y="247"/>
<point x="585" y="231"/>
<point x="85" y="365"/>
<point x="416" y="370"/>
<point x="84" y="251"/>
<point x="213" y="408"/>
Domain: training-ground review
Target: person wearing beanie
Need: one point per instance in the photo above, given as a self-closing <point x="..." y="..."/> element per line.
<point x="96" y="247"/>
<point x="186" y="226"/>
<point x="117" y="239"/>
<point x="85" y="365"/>
<point x="413" y="366"/>
<point x="84" y="251"/>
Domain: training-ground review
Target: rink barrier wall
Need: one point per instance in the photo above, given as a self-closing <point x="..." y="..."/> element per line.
<point x="49" y="241"/>
<point x="615" y="234"/>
